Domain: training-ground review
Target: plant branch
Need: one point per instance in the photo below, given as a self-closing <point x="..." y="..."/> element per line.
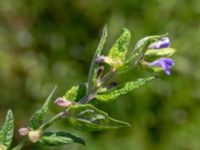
<point x="92" y="93"/>
<point x="52" y="120"/>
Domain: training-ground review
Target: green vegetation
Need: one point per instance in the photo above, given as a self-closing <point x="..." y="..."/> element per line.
<point x="48" y="42"/>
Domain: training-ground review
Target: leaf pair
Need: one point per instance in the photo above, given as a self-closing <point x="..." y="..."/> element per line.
<point x="105" y="95"/>
<point x="56" y="138"/>
<point x="115" y="58"/>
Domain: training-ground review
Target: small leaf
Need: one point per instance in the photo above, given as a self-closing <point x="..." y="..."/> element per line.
<point x="119" y="50"/>
<point x="120" y="47"/>
<point x="164" y="52"/>
<point x="59" y="138"/>
<point x="38" y="117"/>
<point x="122" y="89"/>
<point x="87" y="117"/>
<point x="76" y="92"/>
<point x="93" y="66"/>
<point x="6" y="132"/>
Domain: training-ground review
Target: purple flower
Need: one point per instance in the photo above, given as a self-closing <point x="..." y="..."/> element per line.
<point x="163" y="43"/>
<point x="164" y="63"/>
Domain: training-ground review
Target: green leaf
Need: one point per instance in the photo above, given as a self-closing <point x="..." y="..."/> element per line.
<point x="59" y="138"/>
<point x="93" y="66"/>
<point x="122" y="89"/>
<point x="87" y="117"/>
<point x="119" y="50"/>
<point x="6" y="132"/>
<point x="164" y="52"/>
<point x="38" y="117"/>
<point x="76" y="92"/>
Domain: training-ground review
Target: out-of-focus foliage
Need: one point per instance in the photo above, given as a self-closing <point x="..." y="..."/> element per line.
<point x="48" y="42"/>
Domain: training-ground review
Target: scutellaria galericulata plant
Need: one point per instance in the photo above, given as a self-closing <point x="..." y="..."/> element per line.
<point x="151" y="52"/>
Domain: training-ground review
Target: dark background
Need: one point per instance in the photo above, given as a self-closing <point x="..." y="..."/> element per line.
<point x="48" y="42"/>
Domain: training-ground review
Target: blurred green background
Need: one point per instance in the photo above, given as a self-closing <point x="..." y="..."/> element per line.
<point x="48" y="42"/>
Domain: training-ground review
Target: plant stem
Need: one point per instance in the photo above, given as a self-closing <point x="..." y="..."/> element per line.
<point x="107" y="77"/>
<point x="88" y="96"/>
<point x="92" y="93"/>
<point x="53" y="119"/>
<point x="43" y="126"/>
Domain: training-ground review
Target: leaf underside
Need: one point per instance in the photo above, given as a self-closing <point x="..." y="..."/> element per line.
<point x="87" y="117"/>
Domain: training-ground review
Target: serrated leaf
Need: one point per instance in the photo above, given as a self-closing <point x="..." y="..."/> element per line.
<point x="38" y="117"/>
<point x="122" y="89"/>
<point x="59" y="138"/>
<point x="119" y="50"/>
<point x="164" y="52"/>
<point x="76" y="92"/>
<point x="93" y="66"/>
<point x="87" y="117"/>
<point x="6" y="132"/>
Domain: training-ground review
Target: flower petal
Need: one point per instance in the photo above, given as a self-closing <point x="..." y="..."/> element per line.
<point x="163" y="43"/>
<point x="166" y="68"/>
<point x="169" y="61"/>
<point x="164" y="63"/>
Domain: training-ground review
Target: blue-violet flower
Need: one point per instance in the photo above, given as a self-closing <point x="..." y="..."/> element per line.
<point x="163" y="43"/>
<point x="164" y="63"/>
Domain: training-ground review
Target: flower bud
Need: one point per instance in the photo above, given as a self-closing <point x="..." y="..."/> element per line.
<point x="100" y="59"/>
<point x="35" y="136"/>
<point x="163" y="43"/>
<point x="23" y="131"/>
<point x="62" y="102"/>
<point x="100" y="71"/>
<point x="112" y="85"/>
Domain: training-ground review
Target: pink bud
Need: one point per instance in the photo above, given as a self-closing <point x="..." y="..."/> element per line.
<point x="62" y="102"/>
<point x="23" y="131"/>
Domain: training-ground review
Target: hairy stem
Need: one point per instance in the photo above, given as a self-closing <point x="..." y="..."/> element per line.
<point x="107" y="76"/>
<point x="52" y="120"/>
<point x="92" y="93"/>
